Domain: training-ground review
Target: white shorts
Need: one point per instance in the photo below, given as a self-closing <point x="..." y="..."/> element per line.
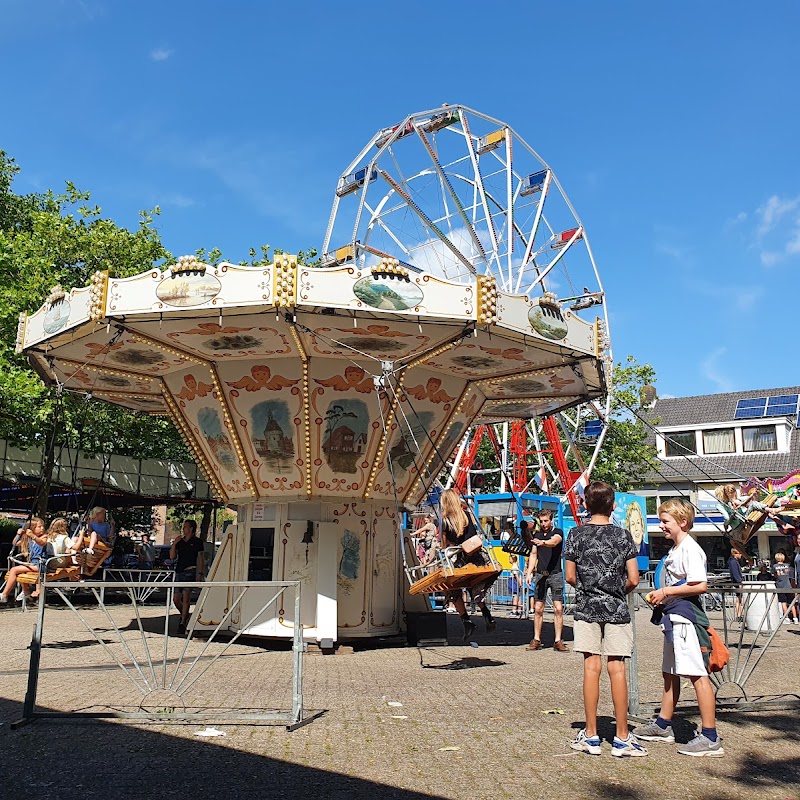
<point x="682" y="655"/>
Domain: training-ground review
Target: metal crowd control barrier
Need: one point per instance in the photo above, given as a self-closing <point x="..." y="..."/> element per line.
<point x="163" y="679"/>
<point x="153" y="577"/>
<point x="748" y="637"/>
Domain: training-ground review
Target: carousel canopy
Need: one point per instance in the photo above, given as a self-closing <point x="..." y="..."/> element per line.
<point x="291" y="382"/>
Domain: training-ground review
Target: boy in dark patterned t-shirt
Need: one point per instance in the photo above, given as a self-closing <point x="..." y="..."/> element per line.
<point x="601" y="564"/>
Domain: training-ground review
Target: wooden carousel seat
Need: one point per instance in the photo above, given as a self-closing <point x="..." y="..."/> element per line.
<point x="459" y="578"/>
<point x="73" y="572"/>
<point x="755" y="519"/>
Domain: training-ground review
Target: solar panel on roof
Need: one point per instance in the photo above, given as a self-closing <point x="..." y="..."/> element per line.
<point x="783" y="399"/>
<point x="782" y="405"/>
<point x="751" y="402"/>
<point x="751" y="408"/>
<point x="749" y="413"/>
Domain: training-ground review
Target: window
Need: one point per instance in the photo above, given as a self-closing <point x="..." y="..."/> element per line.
<point x="651" y="504"/>
<point x="719" y="441"/>
<point x="681" y="443"/>
<point x="761" y="438"/>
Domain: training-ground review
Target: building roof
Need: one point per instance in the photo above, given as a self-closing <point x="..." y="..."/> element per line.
<point x="705" y="408"/>
<point x="715" y="408"/>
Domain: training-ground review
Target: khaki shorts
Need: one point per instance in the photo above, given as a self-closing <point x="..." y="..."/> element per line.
<point x="603" y="638"/>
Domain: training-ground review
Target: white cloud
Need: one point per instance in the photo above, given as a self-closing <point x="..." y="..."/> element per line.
<point x="777" y="234"/>
<point x="179" y="200"/>
<point x="160" y="54"/>
<point x="773" y="211"/>
<point x="713" y="372"/>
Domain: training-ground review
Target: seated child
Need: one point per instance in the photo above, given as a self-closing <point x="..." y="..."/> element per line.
<point x="36" y="538"/>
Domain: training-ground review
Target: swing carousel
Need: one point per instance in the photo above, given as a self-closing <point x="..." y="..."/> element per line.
<point x="457" y="287"/>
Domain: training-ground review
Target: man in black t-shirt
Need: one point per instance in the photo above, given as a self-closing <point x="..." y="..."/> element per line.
<point x="190" y="565"/>
<point x="545" y="559"/>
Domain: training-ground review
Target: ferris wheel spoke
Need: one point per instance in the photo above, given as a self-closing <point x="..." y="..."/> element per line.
<point x="509" y="207"/>
<point x="479" y="183"/>
<point x="426" y="221"/>
<point x="451" y="191"/>
<point x="535" y="227"/>
<point x="387" y="230"/>
<point x="561" y="253"/>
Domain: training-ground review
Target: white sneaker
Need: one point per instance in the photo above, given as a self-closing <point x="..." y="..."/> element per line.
<point x="787" y="621"/>
<point x="586" y="744"/>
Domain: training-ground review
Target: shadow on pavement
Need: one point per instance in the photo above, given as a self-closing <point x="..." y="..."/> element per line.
<point x="38" y="762"/>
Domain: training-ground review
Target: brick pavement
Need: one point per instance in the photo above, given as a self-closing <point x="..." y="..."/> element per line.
<point x="488" y="702"/>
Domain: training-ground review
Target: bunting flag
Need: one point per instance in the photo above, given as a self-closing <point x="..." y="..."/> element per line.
<point x="541" y="480"/>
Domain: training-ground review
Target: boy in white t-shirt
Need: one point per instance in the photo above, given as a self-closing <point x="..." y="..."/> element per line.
<point x="685" y="579"/>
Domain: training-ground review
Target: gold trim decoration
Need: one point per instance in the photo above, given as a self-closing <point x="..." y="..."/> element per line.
<point x="98" y="294"/>
<point x="194" y="448"/>
<point x="244" y="464"/>
<point x="446" y="426"/>
<point x="384" y="439"/>
<point x="159" y="345"/>
<point x="22" y="323"/>
<point x="390" y="268"/>
<point x="188" y="265"/>
<point x="306" y="409"/>
<point x="284" y="281"/>
<point x="487" y="300"/>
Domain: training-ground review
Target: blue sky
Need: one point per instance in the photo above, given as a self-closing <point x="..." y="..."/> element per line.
<point x="673" y="127"/>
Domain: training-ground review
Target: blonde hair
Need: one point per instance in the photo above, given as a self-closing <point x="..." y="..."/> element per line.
<point x="57" y="527"/>
<point x="726" y="493"/>
<point x="780" y="558"/>
<point x="452" y="511"/>
<point x="681" y="510"/>
<point x="95" y="511"/>
<point x="29" y="526"/>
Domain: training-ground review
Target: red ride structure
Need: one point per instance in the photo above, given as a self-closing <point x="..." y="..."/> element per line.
<point x="519" y="452"/>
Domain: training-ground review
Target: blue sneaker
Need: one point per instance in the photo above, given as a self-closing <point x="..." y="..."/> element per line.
<point x="586" y="744"/>
<point x="623" y="748"/>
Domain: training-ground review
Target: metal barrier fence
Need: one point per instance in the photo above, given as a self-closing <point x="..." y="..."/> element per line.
<point x="124" y="577"/>
<point x="748" y="636"/>
<point x="164" y="668"/>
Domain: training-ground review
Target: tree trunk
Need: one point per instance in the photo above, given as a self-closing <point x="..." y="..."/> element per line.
<point x="42" y="498"/>
<point x="205" y="522"/>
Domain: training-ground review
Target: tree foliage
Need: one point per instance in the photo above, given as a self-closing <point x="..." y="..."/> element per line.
<point x="47" y="239"/>
<point x="626" y="455"/>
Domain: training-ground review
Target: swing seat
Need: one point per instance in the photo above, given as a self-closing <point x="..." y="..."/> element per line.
<point x="465" y="577"/>
<point x="518" y="545"/>
<point x="756" y="518"/>
<point x="91" y="563"/>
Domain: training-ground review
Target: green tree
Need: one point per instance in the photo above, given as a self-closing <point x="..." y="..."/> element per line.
<point x="627" y="455"/>
<point x="48" y="239"/>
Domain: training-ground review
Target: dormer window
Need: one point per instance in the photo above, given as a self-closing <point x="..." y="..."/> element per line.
<point x="719" y="441"/>
<point x="680" y="443"/>
<point x="759" y="439"/>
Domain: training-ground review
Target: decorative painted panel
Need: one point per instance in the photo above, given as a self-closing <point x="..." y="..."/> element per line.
<point x="265" y="398"/>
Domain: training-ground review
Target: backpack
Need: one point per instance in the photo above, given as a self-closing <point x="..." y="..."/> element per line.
<point x="719" y="655"/>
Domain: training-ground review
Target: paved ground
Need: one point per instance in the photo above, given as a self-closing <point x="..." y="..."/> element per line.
<point x="472" y="724"/>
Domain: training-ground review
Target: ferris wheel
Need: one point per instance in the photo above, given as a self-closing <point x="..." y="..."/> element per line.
<point x="456" y="193"/>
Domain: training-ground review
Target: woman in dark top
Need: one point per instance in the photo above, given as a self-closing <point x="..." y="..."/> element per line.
<point x="457" y="527"/>
<point x="735" y="569"/>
